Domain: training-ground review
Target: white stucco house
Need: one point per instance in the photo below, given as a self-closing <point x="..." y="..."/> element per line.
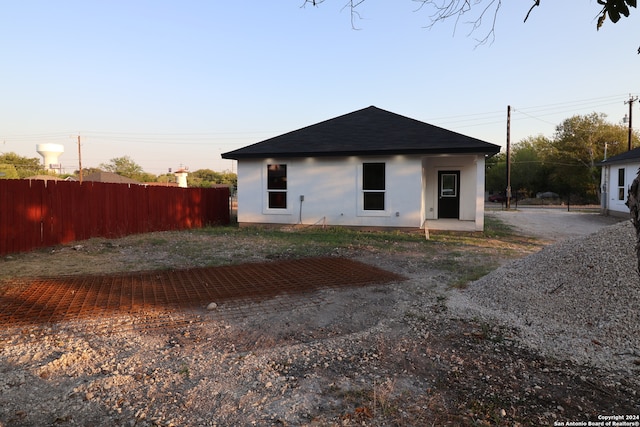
<point x="369" y="168"/>
<point x="618" y="172"/>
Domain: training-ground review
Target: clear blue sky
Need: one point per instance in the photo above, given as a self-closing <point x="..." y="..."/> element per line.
<point x="173" y="83"/>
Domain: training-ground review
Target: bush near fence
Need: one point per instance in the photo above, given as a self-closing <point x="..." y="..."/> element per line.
<point x="36" y="213"/>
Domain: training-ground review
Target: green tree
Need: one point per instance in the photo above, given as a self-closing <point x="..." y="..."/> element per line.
<point x="496" y="173"/>
<point x="125" y="166"/>
<point x="528" y="168"/>
<point x="24" y="166"/>
<point x="529" y="171"/>
<point x="146" y="177"/>
<point x="8" y="171"/>
<point x="576" y="149"/>
<point x="167" y="177"/>
<point x="208" y="178"/>
<point x="229" y="178"/>
<point x="203" y="178"/>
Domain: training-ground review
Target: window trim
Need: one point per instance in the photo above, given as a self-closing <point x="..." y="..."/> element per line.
<point x="456" y="185"/>
<point x="361" y="211"/>
<point x="621" y="184"/>
<point x="267" y="191"/>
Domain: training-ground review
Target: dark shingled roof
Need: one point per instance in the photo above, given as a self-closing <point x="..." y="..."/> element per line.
<point x="109" y="177"/>
<point x="624" y="157"/>
<point x="370" y="131"/>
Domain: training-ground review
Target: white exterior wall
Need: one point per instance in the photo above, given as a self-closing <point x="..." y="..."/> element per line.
<point x="611" y="202"/>
<point x="479" y="162"/>
<point x="332" y="192"/>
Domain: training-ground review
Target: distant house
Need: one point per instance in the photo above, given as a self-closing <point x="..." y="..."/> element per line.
<point x="368" y="168"/>
<point x="110" y="177"/>
<point x="618" y="172"/>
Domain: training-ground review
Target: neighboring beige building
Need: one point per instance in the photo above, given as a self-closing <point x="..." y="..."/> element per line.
<point x="181" y="177"/>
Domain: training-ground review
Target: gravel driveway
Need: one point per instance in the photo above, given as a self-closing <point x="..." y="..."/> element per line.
<point x="554" y="223"/>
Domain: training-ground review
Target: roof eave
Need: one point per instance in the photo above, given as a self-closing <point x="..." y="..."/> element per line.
<point x="490" y="151"/>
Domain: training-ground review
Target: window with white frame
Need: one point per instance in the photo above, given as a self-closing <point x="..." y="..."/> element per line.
<point x="277" y="186"/>
<point x="373" y="186"/>
<point x="621" y="189"/>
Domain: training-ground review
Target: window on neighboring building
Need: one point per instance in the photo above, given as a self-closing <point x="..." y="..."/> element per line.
<point x="621" y="184"/>
<point x="277" y="186"/>
<point x="373" y="186"/>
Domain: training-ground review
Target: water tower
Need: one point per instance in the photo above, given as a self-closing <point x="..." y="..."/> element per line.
<point x="50" y="154"/>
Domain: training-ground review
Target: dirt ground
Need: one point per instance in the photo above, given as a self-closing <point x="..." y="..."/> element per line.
<point x="383" y="355"/>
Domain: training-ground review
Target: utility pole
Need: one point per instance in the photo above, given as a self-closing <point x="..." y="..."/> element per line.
<point x="508" y="193"/>
<point x="79" y="160"/>
<point x="631" y="100"/>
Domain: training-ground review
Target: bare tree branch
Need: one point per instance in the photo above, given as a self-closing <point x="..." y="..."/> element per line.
<point x="352" y="5"/>
<point x="476" y="24"/>
<point x="444" y="10"/>
<point x="535" y="3"/>
<point x="447" y="9"/>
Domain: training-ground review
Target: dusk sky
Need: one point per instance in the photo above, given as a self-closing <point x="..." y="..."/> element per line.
<point x="173" y="84"/>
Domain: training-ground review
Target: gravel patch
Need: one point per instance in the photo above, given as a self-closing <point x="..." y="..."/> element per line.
<point x="578" y="299"/>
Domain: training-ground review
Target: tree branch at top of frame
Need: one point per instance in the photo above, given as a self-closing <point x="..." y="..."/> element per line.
<point x="444" y="10"/>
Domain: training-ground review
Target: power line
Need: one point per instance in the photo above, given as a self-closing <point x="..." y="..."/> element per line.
<point x="572" y="109"/>
<point x="533" y="112"/>
<point x="576" y="103"/>
<point x="533" y="117"/>
<point x="567" y="107"/>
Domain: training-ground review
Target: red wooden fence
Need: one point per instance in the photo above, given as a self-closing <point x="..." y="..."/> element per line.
<point x="35" y="213"/>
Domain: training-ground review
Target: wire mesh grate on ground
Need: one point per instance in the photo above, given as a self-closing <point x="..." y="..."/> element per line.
<point x="31" y="301"/>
